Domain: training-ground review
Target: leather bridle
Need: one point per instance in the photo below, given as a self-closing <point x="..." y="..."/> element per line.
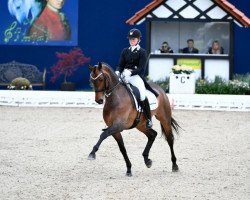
<point x="105" y="89"/>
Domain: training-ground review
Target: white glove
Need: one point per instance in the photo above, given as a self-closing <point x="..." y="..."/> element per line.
<point x="117" y="73"/>
<point x="126" y="75"/>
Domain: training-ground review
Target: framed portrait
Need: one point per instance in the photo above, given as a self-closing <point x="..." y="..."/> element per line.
<point x="39" y="22"/>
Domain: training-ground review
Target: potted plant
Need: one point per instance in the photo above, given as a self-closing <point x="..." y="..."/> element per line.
<point x="20" y="83"/>
<point x="67" y="64"/>
<point x="182" y="80"/>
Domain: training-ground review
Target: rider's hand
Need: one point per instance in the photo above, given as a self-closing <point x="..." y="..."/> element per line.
<point x="126" y="73"/>
<point x="117" y="73"/>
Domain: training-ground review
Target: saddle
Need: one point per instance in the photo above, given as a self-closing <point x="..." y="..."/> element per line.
<point x="135" y="94"/>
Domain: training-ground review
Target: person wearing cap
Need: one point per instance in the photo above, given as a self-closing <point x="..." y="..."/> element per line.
<point x="131" y="67"/>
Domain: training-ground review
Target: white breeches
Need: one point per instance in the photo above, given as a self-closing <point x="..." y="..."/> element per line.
<point x="138" y="82"/>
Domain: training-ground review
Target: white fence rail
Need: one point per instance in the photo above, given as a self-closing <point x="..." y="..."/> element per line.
<point x="86" y="99"/>
<point x="210" y="102"/>
<point x="47" y="98"/>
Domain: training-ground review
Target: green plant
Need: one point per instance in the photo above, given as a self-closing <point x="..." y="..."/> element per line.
<point x="242" y="77"/>
<point x="164" y="84"/>
<point x="20" y="84"/>
<point x="238" y="86"/>
<point x="220" y="86"/>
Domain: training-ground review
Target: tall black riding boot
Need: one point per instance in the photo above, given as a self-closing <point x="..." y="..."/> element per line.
<point x="147" y="113"/>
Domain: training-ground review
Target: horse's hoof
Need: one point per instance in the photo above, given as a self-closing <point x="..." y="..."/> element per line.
<point x="149" y="163"/>
<point x="91" y="156"/>
<point x="175" y="168"/>
<point x="128" y="174"/>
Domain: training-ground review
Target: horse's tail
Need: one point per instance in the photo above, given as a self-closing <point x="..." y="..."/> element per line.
<point x="174" y="125"/>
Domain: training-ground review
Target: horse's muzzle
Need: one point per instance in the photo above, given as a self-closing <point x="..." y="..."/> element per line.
<point x="99" y="101"/>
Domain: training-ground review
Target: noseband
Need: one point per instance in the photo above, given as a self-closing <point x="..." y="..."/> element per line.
<point x="106" y="90"/>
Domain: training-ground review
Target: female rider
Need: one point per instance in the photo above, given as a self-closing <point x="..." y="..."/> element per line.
<point x="132" y="65"/>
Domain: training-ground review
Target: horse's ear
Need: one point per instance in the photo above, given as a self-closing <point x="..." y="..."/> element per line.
<point x="99" y="65"/>
<point x="91" y="68"/>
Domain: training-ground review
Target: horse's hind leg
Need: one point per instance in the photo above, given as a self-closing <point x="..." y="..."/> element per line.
<point x="167" y="130"/>
<point x="151" y="134"/>
<point x="119" y="140"/>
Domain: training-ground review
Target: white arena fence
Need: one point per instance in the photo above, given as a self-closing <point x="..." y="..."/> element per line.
<point x="37" y="98"/>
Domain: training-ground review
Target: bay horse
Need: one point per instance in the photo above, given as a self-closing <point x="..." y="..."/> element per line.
<point x="119" y="113"/>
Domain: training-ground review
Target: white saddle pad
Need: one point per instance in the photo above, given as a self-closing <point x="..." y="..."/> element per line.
<point x="151" y="99"/>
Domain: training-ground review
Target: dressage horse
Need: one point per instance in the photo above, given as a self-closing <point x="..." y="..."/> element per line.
<point x="119" y="113"/>
<point x="25" y="11"/>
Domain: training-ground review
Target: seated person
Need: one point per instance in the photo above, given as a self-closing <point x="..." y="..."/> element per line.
<point x="216" y="48"/>
<point x="190" y="48"/>
<point x="165" y="48"/>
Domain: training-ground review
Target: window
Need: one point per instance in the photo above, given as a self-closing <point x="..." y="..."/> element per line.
<point x="177" y="33"/>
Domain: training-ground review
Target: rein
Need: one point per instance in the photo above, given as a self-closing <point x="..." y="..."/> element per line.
<point x="107" y="92"/>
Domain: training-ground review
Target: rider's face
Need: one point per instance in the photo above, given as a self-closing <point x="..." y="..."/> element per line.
<point x="57" y="4"/>
<point x="133" y="41"/>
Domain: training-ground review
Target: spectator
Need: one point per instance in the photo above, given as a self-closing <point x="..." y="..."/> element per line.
<point x="190" y="48"/>
<point x="165" y="48"/>
<point x="216" y="48"/>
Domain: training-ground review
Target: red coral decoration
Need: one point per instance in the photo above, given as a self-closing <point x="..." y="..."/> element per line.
<point x="68" y="63"/>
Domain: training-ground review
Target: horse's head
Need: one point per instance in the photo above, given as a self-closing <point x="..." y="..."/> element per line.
<point x="25" y="11"/>
<point x="104" y="81"/>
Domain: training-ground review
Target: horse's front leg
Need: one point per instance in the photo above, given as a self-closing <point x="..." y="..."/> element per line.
<point x="109" y="131"/>
<point x="119" y="140"/>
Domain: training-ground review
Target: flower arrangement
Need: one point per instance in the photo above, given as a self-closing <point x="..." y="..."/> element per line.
<point x="68" y="63"/>
<point x="20" y="84"/>
<point x="182" y="69"/>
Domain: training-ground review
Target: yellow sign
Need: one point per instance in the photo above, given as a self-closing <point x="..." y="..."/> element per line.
<point x="190" y="62"/>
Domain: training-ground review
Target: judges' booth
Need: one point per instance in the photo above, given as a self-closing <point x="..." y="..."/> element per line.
<point x="176" y="21"/>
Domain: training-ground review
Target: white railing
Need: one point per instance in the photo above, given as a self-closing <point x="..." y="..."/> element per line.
<point x="86" y="99"/>
<point x="210" y="102"/>
<point x="47" y="98"/>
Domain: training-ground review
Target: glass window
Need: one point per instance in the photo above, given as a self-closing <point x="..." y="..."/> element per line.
<point x="177" y="34"/>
